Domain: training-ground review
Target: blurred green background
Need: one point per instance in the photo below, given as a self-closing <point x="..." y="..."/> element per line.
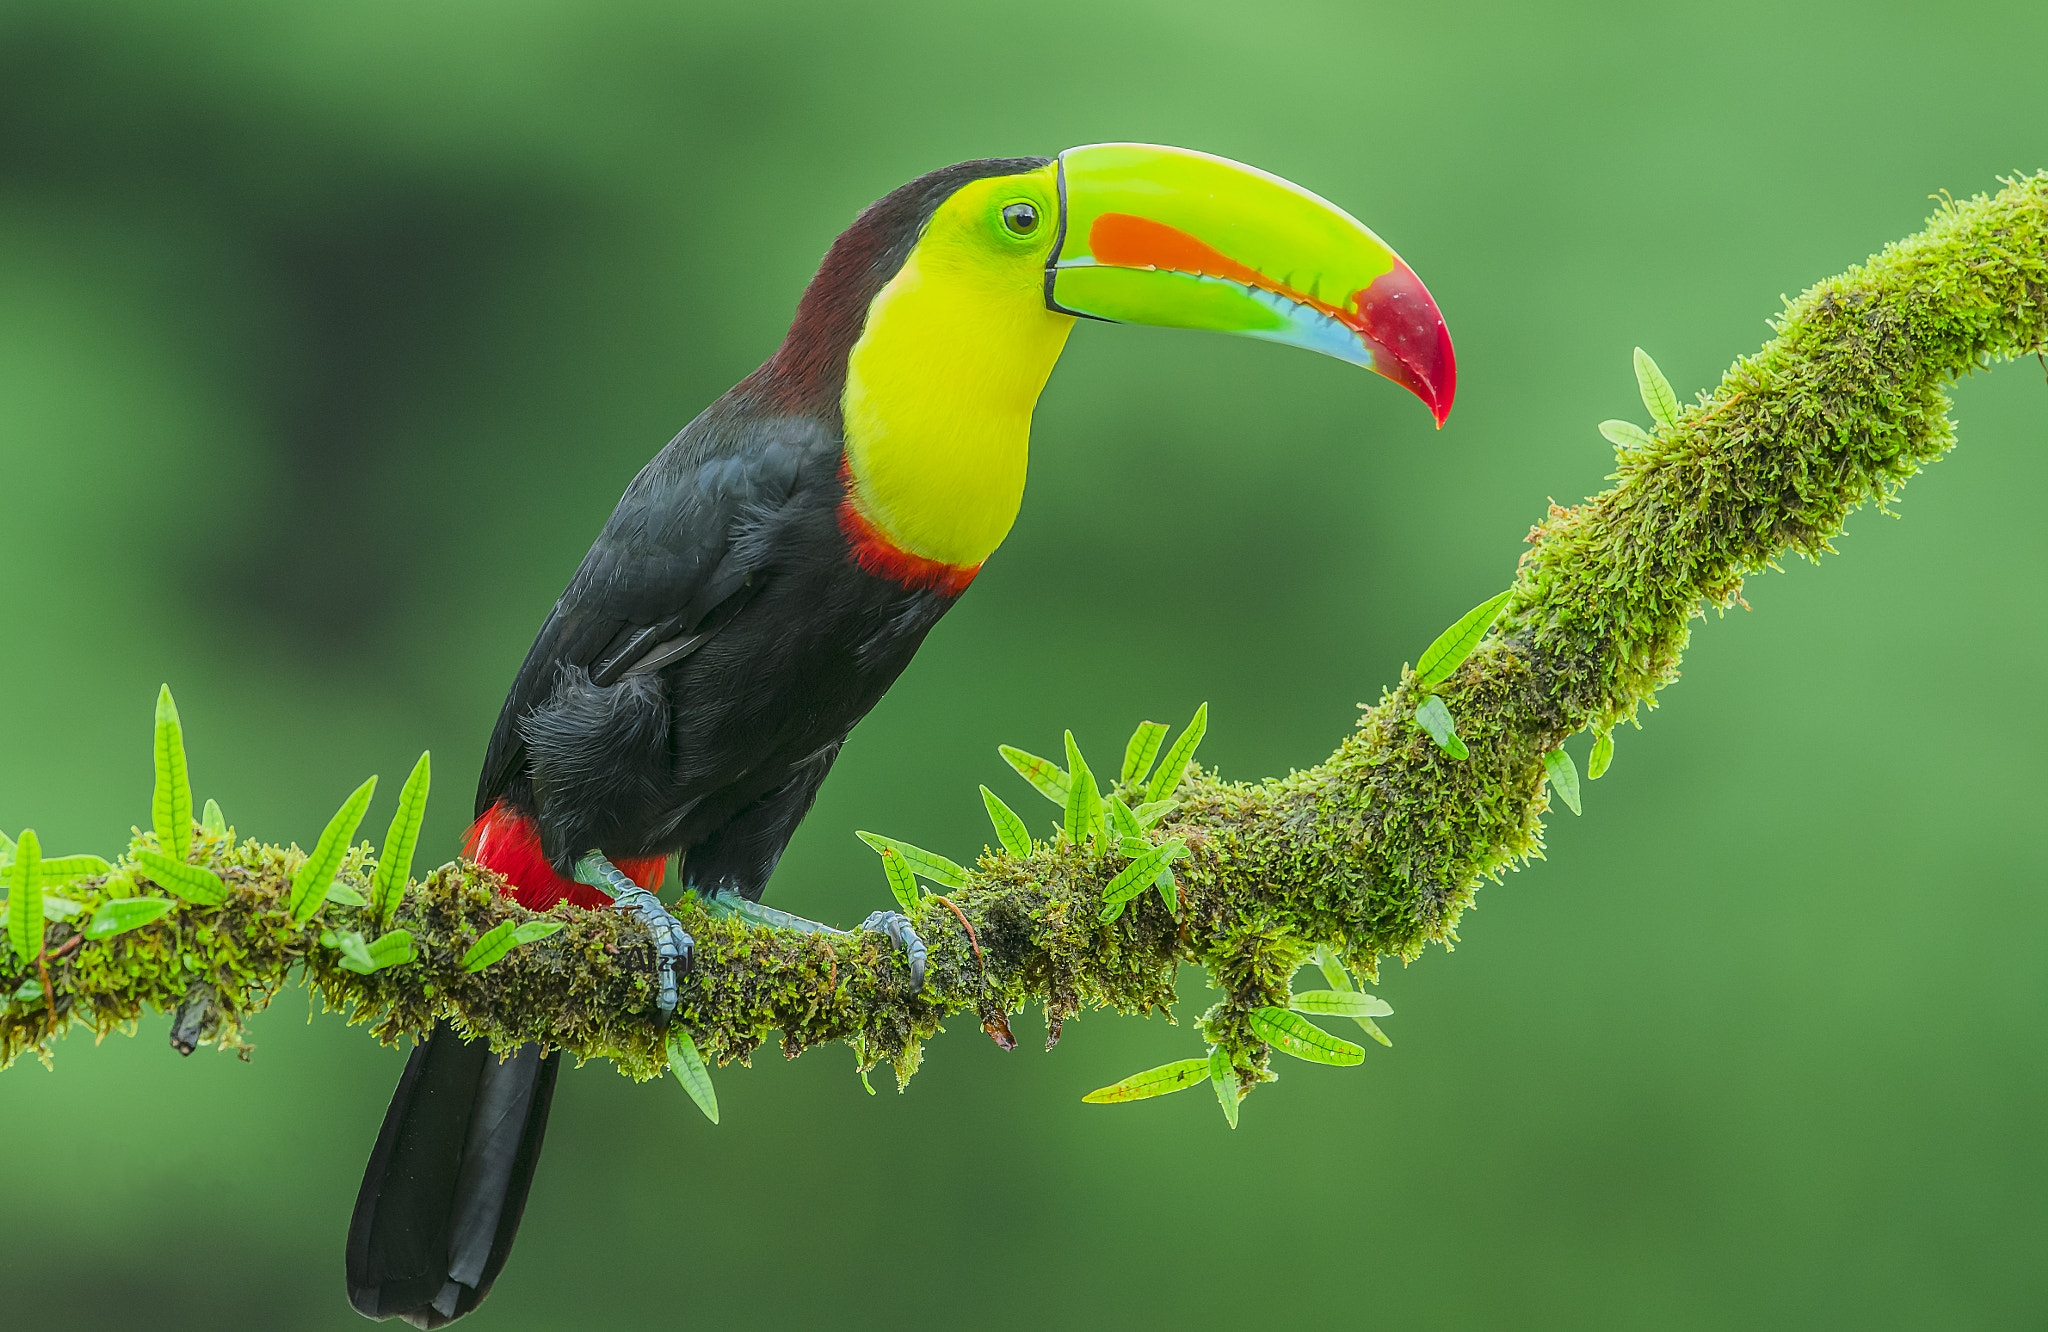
<point x="328" y="335"/>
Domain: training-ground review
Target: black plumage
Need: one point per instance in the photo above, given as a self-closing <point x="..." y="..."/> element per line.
<point x="687" y="695"/>
<point x="717" y="753"/>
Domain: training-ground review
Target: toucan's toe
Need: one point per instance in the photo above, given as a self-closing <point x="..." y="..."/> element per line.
<point x="674" y="949"/>
<point x="905" y="936"/>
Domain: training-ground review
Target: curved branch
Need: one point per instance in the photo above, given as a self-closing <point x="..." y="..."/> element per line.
<point x="1375" y="851"/>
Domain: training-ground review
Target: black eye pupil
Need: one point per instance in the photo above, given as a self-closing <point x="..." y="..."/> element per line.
<point x="1021" y="218"/>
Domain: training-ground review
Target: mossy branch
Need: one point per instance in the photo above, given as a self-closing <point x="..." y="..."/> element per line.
<point x="1373" y="852"/>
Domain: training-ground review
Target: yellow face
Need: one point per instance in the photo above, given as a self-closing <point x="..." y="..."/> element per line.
<point x="941" y="385"/>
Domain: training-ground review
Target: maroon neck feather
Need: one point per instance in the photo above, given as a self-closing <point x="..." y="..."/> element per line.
<point x="807" y="373"/>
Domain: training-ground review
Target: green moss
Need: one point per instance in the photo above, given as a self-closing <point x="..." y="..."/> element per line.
<point x="1377" y="850"/>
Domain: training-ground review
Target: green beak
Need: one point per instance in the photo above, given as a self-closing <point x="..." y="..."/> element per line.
<point x="1167" y="236"/>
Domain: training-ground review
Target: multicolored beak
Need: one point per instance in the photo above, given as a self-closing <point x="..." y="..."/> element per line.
<point x="1180" y="239"/>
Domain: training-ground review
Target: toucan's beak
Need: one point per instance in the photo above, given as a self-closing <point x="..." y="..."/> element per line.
<point x="1153" y="235"/>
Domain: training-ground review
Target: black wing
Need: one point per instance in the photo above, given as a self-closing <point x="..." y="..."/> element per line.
<point x="690" y="542"/>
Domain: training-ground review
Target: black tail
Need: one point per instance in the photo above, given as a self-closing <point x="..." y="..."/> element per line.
<point x="445" y="1187"/>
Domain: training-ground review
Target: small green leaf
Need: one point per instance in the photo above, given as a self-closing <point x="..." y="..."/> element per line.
<point x="25" y="898"/>
<point x="688" y="1066"/>
<point x="1339" y="979"/>
<point x="1333" y="969"/>
<point x="1167" y="779"/>
<point x="1627" y="435"/>
<point x="1084" y="800"/>
<point x="1137" y="876"/>
<point x="59" y="908"/>
<point x="355" y="954"/>
<point x="1456" y="643"/>
<point x="1141" y="751"/>
<point x="902" y="883"/>
<point x="1047" y="777"/>
<point x="1564" y="777"/>
<point x="63" y="869"/>
<point x="170" y="806"/>
<point x="29" y="991"/>
<point x="1339" y="1003"/>
<point x="345" y="894"/>
<point x="124" y="914"/>
<point x="1177" y="1076"/>
<point x="864" y="1081"/>
<point x="927" y="864"/>
<point x="491" y="945"/>
<point x="195" y="883"/>
<point x="6" y="847"/>
<point x="502" y="938"/>
<point x="392" y="948"/>
<point x="309" y="883"/>
<point x="1152" y="811"/>
<point x="1294" y="1034"/>
<point x="1435" y="718"/>
<point x="1224" y="1078"/>
<point x="1010" y="829"/>
<point x="1656" y="390"/>
<point x="1603" y="754"/>
<point x="213" y="821"/>
<point x="394" y="867"/>
<point x="1169" y="890"/>
<point x="1122" y="821"/>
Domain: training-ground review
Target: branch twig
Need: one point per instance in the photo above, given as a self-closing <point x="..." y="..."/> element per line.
<point x="1375" y="851"/>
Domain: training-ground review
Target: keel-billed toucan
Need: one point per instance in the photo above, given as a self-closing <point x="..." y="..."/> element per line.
<point x="767" y="576"/>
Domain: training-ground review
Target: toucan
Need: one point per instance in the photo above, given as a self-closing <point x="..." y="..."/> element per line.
<point x="771" y="572"/>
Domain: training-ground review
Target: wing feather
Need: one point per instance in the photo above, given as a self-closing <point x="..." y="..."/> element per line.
<point x="689" y="544"/>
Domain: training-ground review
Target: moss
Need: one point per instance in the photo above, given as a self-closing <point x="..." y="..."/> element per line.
<point x="1377" y="850"/>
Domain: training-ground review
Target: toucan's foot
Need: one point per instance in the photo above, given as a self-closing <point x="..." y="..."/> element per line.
<point x="892" y="923"/>
<point x="672" y="943"/>
<point x="900" y="931"/>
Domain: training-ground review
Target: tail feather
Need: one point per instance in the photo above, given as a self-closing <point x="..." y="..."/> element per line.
<point x="447" y="1183"/>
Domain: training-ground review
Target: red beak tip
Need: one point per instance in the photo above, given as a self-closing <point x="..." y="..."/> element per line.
<point x="1400" y="320"/>
<point x="1437" y="391"/>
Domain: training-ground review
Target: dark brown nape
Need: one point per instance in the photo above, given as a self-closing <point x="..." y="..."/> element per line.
<point x="808" y="372"/>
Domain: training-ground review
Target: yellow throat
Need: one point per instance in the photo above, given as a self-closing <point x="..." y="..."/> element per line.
<point x="942" y="382"/>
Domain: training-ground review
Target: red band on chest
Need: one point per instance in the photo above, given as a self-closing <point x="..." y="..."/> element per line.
<point x="876" y="554"/>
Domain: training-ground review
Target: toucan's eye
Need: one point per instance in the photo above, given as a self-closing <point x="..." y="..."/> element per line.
<point x="1021" y="219"/>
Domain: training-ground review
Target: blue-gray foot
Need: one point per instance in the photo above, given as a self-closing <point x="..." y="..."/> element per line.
<point x="894" y="924"/>
<point x="672" y="943"/>
<point x="900" y="931"/>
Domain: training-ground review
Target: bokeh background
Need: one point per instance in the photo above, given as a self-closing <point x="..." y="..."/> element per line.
<point x="328" y="335"/>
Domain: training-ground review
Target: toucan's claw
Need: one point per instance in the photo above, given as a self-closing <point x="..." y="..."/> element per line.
<point x="673" y="947"/>
<point x="892" y="923"/>
<point x="904" y="935"/>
